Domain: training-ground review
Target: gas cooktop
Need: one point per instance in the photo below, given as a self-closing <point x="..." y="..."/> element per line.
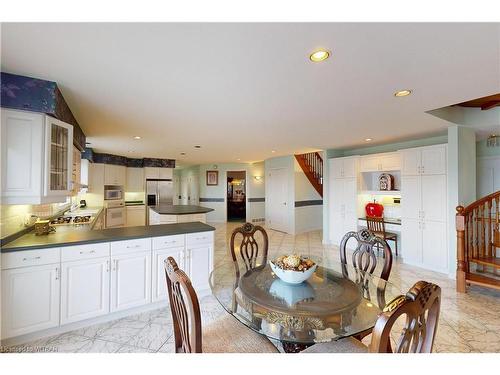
<point x="72" y="220"/>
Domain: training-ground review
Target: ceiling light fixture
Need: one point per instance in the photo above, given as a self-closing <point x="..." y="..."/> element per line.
<point x="401" y="93"/>
<point x="493" y="141"/>
<point x="273" y="151"/>
<point x="197" y="146"/>
<point x="319" y="55"/>
<point x="183" y="153"/>
<point x="238" y="159"/>
<point x="368" y="140"/>
<point x="137" y="137"/>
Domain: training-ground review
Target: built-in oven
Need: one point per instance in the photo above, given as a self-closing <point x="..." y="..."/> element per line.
<point x="113" y="193"/>
<point x="115" y="213"/>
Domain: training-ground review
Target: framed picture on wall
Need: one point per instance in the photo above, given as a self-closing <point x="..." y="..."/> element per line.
<point x="212" y="178"/>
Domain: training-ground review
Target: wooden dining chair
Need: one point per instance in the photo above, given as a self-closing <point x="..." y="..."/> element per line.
<point x="420" y="309"/>
<point x="225" y="335"/>
<point x="377" y="225"/>
<point x="363" y="257"/>
<point x="248" y="247"/>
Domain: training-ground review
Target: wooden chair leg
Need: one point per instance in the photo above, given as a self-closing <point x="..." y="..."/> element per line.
<point x="396" y="245"/>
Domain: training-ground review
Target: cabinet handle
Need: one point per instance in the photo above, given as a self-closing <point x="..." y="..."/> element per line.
<point x="34" y="258"/>
<point x="201" y="238"/>
<point x="57" y="273"/>
<point x="87" y="252"/>
<point x="133" y="247"/>
<point x="107" y="266"/>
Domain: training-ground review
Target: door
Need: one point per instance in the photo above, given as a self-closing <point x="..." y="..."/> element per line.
<point x="58" y="157"/>
<point x="411" y="197"/>
<point x="159" y="290"/>
<point x="410" y="162"/>
<point x="278" y="195"/>
<point x="411" y="240"/>
<point x="199" y="264"/>
<point x="434" y="249"/>
<point x="434" y="160"/>
<point x="130" y="280"/>
<point x="84" y="289"/>
<point x="30" y="299"/>
<point x="434" y="198"/>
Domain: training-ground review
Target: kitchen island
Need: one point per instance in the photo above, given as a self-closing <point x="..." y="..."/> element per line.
<point x="167" y="213"/>
<point x="63" y="281"/>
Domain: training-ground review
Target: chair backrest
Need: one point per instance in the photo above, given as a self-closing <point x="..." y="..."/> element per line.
<point x="421" y="306"/>
<point x="249" y="248"/>
<point x="364" y="257"/>
<point x="185" y="309"/>
<point x="375" y="224"/>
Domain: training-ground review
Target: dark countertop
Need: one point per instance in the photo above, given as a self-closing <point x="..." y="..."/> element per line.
<point x="387" y="220"/>
<point x="134" y="203"/>
<point x="78" y="237"/>
<point x="179" y="209"/>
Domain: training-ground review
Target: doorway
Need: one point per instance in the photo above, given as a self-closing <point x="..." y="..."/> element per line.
<point x="236" y="196"/>
<point x="276" y="198"/>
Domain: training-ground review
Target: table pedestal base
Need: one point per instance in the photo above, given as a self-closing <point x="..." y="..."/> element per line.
<point x="294" y="347"/>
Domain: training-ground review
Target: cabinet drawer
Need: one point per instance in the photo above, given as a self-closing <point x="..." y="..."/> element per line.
<point x="97" y="250"/>
<point x="130" y="246"/>
<point x="201" y="238"/>
<point x="27" y="258"/>
<point x="166" y="242"/>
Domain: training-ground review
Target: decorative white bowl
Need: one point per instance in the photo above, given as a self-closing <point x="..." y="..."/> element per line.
<point x="291" y="276"/>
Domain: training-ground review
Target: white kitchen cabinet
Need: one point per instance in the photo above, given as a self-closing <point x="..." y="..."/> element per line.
<point x="166" y="173"/>
<point x="136" y="215"/>
<point x="430" y="160"/>
<point x="343" y="198"/>
<point x="114" y="174"/>
<point x="130" y="280"/>
<point x="411" y="239"/>
<point x="159" y="173"/>
<point x="76" y="171"/>
<point x="380" y="162"/>
<point x="96" y="178"/>
<point x="36" y="158"/>
<point x="30" y="299"/>
<point x="159" y="289"/>
<point x="135" y="180"/>
<point x="199" y="264"/>
<point x="84" y="289"/>
<point x="411" y="192"/>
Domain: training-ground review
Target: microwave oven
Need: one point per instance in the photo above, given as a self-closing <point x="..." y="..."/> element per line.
<point x="113" y="194"/>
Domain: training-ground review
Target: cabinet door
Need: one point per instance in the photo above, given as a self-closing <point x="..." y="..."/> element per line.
<point x="411" y="197"/>
<point x="411" y="241"/>
<point x="30" y="299"/>
<point x="84" y="289"/>
<point x="369" y="164"/>
<point x="21" y="155"/>
<point x="159" y="289"/>
<point x="130" y="280"/>
<point x="390" y="162"/>
<point x="151" y="172"/>
<point x="434" y="200"/>
<point x="58" y="157"/>
<point x="350" y="195"/>
<point x="166" y="173"/>
<point x="434" y="160"/>
<point x="336" y="168"/>
<point x="96" y="178"/>
<point x="434" y="248"/>
<point x="199" y="265"/>
<point x="410" y="162"/>
<point x="350" y="167"/>
<point x="121" y="175"/>
<point x="114" y="174"/>
<point x="136" y="216"/>
<point x="336" y="227"/>
<point x="135" y="180"/>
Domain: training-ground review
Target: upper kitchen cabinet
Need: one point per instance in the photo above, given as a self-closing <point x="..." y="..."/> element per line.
<point x="115" y="174"/>
<point x="96" y="178"/>
<point x="380" y="162"/>
<point x="430" y="160"/>
<point x="135" y="179"/>
<point x="346" y="167"/>
<point x="158" y="173"/>
<point x="36" y="158"/>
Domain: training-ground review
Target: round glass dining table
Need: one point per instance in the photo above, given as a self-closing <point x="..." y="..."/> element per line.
<point x="337" y="301"/>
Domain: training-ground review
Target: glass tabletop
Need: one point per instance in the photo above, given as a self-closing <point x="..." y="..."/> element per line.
<point x="337" y="301"/>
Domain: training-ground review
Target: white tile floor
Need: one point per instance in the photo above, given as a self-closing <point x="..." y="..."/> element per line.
<point x="468" y="322"/>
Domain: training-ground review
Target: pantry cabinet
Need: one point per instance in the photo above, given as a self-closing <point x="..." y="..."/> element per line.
<point x="430" y="160"/>
<point x="344" y="167"/>
<point x="30" y="299"/>
<point x="36" y="158"/>
<point x="115" y="174"/>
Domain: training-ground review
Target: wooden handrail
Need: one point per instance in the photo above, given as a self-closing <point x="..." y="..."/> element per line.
<point x="312" y="166"/>
<point x="480" y="202"/>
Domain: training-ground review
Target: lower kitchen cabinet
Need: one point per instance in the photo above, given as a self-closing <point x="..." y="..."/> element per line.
<point x="84" y="289"/>
<point x="30" y="299"/>
<point x="159" y="292"/>
<point x="130" y="280"/>
<point x="198" y="264"/>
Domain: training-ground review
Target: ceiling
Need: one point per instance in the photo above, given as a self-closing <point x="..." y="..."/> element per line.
<point x="243" y="90"/>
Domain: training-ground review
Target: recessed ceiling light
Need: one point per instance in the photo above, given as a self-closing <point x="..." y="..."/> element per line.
<point x="319" y="55"/>
<point x="238" y="159"/>
<point x="137" y="137"/>
<point x="402" y="93"/>
<point x="368" y="139"/>
<point x="197" y="146"/>
<point x="273" y="151"/>
<point x="183" y="153"/>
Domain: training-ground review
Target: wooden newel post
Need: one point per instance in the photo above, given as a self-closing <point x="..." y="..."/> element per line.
<point x="461" y="265"/>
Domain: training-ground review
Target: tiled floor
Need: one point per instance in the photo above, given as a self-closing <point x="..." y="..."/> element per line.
<point x="468" y="322"/>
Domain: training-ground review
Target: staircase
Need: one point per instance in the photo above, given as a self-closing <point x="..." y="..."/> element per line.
<point x="312" y="165"/>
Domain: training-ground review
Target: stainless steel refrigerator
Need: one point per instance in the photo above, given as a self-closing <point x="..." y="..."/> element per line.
<point x="159" y="191"/>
